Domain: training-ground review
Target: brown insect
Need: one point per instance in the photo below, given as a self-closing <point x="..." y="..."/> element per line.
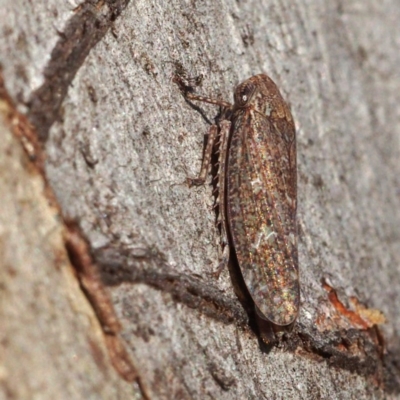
<point x="258" y="193"/>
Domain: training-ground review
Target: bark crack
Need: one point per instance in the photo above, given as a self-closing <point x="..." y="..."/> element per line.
<point x="85" y="29"/>
<point x="354" y="350"/>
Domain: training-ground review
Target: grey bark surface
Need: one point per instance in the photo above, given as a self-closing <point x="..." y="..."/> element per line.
<point x="95" y="80"/>
<point x="51" y="343"/>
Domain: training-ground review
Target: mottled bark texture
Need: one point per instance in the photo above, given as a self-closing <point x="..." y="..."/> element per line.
<point x="119" y="140"/>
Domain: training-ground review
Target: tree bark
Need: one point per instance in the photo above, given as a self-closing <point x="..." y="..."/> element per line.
<point x="118" y="141"/>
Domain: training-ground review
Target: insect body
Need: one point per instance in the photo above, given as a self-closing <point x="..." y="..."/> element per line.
<point x="258" y="193"/>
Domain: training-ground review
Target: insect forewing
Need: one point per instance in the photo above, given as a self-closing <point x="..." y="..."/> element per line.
<point x="261" y="202"/>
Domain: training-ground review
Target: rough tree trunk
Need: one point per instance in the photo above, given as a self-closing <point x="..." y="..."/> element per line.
<point x="118" y="139"/>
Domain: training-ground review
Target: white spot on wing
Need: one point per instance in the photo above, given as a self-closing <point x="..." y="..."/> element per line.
<point x="263" y="236"/>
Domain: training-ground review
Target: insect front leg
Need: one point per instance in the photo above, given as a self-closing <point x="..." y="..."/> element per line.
<point x="205" y="166"/>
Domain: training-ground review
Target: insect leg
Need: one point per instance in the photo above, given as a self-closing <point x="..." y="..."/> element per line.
<point x="212" y="134"/>
<point x="225" y="129"/>
<point x="186" y="92"/>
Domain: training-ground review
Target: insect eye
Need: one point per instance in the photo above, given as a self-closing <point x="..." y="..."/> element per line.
<point x="246" y="94"/>
<point x="243" y="94"/>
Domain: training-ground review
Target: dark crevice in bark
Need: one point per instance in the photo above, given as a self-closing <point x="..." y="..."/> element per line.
<point x="118" y="266"/>
<point x="79" y="252"/>
<point x="357" y="351"/>
<point x="84" y="30"/>
<point x="392" y="371"/>
<point x="352" y="350"/>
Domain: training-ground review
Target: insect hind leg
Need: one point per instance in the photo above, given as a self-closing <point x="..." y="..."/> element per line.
<point x="225" y="126"/>
<point x="198" y="181"/>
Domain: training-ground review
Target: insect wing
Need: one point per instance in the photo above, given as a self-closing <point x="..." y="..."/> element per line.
<point x="261" y="212"/>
